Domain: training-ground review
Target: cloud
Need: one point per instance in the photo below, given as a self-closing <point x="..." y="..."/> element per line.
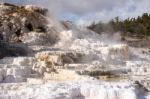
<point x="130" y="8"/>
<point x="86" y="11"/>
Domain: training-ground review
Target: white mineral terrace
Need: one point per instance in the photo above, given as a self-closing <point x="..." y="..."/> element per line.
<point x="31" y="78"/>
<point x="20" y="81"/>
<point x="80" y="64"/>
<point x="54" y="74"/>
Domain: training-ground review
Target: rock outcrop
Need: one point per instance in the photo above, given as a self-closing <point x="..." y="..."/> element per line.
<point x="18" y="22"/>
<point x="20" y="25"/>
<point x="10" y="49"/>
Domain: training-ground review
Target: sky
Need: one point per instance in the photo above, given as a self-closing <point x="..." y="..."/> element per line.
<point x="84" y="12"/>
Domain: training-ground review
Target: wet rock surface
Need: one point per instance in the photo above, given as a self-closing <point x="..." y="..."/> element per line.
<point x="10" y="49"/>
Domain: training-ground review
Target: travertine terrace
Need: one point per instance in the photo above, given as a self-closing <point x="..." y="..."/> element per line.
<point x="64" y="61"/>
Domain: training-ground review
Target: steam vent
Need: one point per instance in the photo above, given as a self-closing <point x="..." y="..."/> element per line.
<point x="42" y="58"/>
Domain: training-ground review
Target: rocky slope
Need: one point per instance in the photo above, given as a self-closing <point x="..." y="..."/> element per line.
<point x="58" y="60"/>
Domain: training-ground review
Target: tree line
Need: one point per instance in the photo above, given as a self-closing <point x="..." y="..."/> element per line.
<point x="132" y="26"/>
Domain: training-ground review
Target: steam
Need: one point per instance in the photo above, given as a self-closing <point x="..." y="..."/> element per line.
<point x="114" y="38"/>
<point x="68" y="36"/>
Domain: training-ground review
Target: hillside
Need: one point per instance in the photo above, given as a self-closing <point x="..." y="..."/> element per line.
<point x="134" y="31"/>
<point x="132" y="26"/>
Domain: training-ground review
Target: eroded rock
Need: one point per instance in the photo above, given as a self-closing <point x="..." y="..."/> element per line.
<point x="18" y="20"/>
<point x="10" y="49"/>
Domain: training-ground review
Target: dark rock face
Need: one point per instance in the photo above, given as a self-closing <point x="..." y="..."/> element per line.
<point x="10" y="49"/>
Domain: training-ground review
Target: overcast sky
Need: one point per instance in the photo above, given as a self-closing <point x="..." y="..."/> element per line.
<point x="86" y="11"/>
